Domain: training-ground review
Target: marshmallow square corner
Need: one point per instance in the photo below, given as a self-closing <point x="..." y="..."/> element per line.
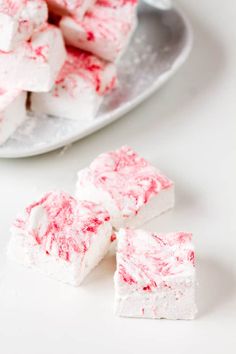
<point x="19" y="20"/>
<point x="35" y="64"/>
<point x="12" y="112"/>
<point x="129" y="187"/>
<point x="105" y="30"/>
<point x="61" y="237"/>
<point x="155" y="275"/>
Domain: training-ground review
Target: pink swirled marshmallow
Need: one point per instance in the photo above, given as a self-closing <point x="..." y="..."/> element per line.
<point x="155" y="275"/>
<point x="105" y="30"/>
<point x="35" y="64"/>
<point x="70" y="7"/>
<point x="61" y="237"/>
<point x="130" y="188"/>
<point x="19" y="19"/>
<point x="79" y="89"/>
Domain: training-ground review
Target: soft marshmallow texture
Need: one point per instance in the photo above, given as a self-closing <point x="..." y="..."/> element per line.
<point x="19" y="19"/>
<point x="128" y="186"/>
<point x="70" y="7"/>
<point x="105" y="30"/>
<point x="61" y="237"/>
<point x="12" y="112"/>
<point x="34" y="65"/>
<point x="155" y="275"/>
<point x="79" y="88"/>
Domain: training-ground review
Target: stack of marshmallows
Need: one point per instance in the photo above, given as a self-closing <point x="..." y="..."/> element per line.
<point x="66" y="236"/>
<point x="64" y="53"/>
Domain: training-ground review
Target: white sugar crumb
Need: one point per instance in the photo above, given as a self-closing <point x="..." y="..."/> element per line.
<point x="27" y="128"/>
<point x="64" y="149"/>
<point x="166" y="49"/>
<point x="135" y="63"/>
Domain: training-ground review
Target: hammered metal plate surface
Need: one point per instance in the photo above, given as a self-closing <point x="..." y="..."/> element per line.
<point x="159" y="47"/>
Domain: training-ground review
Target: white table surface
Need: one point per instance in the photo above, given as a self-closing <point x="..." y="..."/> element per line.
<point x="188" y="130"/>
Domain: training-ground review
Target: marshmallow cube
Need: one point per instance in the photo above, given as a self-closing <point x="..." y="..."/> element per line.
<point x="79" y="88"/>
<point x="61" y="237"/>
<point x="155" y="275"/>
<point x="128" y="186"/>
<point x="105" y="30"/>
<point x="12" y="112"/>
<point x="19" y="20"/>
<point x="70" y="7"/>
<point x="34" y="65"/>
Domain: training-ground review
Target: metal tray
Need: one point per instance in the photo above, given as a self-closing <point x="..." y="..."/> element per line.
<point x="159" y="47"/>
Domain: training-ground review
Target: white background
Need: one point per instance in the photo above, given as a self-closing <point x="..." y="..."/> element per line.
<point x="188" y="130"/>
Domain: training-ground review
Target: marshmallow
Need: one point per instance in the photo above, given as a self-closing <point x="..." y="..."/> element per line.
<point x="61" y="237"/>
<point x="79" y="88"/>
<point x="19" y="19"/>
<point x="70" y="7"/>
<point x="105" y="30"/>
<point x="155" y="275"/>
<point x="129" y="187"/>
<point x="12" y="112"/>
<point x="34" y="65"/>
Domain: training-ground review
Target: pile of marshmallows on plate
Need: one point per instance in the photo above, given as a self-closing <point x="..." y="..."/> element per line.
<point x="64" y="53"/>
<point x="66" y="236"/>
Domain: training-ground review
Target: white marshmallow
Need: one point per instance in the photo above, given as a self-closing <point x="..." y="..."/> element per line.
<point x="131" y="189"/>
<point x="19" y="20"/>
<point x="155" y="276"/>
<point x="61" y="237"/>
<point x="105" y="30"/>
<point x="34" y="65"/>
<point x="70" y="7"/>
<point x="79" y="88"/>
<point x="12" y="112"/>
